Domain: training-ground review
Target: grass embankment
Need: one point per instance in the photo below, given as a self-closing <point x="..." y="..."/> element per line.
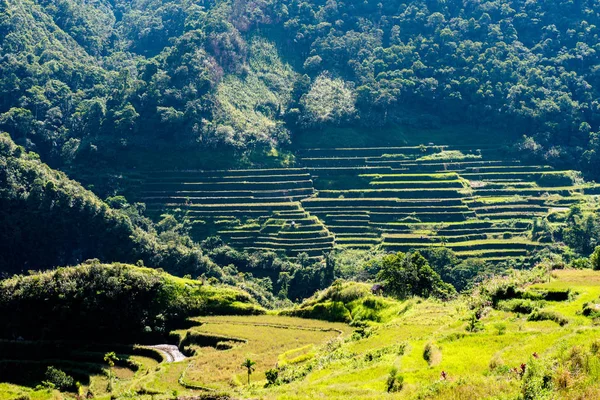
<point x="477" y="342"/>
<point x="477" y="364"/>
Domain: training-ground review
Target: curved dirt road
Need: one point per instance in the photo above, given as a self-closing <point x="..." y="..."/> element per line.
<point x="170" y="352"/>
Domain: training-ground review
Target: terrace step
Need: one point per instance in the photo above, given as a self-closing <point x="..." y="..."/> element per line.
<point x="480" y="203"/>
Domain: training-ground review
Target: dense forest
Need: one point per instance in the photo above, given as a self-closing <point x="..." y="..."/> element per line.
<point x="86" y="83"/>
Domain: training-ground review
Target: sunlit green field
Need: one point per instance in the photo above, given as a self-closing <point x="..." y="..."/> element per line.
<point x="508" y="339"/>
<point x="318" y="359"/>
<point x="270" y="341"/>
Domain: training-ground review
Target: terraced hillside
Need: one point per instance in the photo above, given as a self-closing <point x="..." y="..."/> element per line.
<point x="474" y="201"/>
<point x="253" y="209"/>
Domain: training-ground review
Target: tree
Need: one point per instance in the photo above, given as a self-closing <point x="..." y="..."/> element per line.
<point x="329" y="101"/>
<point x="58" y="379"/>
<point x="409" y="274"/>
<point x="595" y="259"/>
<point x="249" y="365"/>
<point x="395" y="381"/>
<point x="272" y="375"/>
<point x="110" y="358"/>
<point x="19" y="122"/>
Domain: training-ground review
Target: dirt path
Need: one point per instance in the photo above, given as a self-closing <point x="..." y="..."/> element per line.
<point x="170" y="352"/>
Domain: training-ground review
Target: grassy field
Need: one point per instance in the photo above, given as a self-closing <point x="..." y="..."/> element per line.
<point x="426" y="340"/>
<point x="477" y="365"/>
<point x="268" y="340"/>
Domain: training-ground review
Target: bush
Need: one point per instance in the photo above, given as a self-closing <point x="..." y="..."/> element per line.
<point x="58" y="379"/>
<point x="543" y="315"/>
<point x="474" y="324"/>
<point x="595" y="259"/>
<point x="272" y="375"/>
<point x="500" y="328"/>
<point x="537" y="380"/>
<point x="592" y="310"/>
<point x="333" y="311"/>
<point x="395" y="381"/>
<point x="432" y="354"/>
<point x="518" y="306"/>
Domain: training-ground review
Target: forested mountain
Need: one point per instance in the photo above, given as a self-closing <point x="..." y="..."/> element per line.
<point x="84" y="82"/>
<point x="418" y="175"/>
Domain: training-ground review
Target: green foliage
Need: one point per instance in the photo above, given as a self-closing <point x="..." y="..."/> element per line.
<point x="395" y="381"/>
<point x="544" y="315"/>
<point x="460" y="274"/>
<point x="58" y="379"/>
<point x="448" y="155"/>
<point x="474" y="324"/>
<point x="81" y="83"/>
<point x="57" y="222"/>
<point x="345" y="302"/>
<point x="104" y="302"/>
<point x="271" y="375"/>
<point x="521" y="306"/>
<point x="591" y="309"/>
<point x="409" y="274"/>
<point x="110" y="358"/>
<point x="249" y="106"/>
<point x="537" y="380"/>
<point x="582" y="230"/>
<point x="432" y="354"/>
<point x="329" y="101"/>
<point x="595" y="259"/>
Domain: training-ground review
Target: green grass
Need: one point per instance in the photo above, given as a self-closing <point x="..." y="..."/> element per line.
<point x="320" y="359"/>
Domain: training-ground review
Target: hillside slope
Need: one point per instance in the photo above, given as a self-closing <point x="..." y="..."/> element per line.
<point x="480" y="202"/>
<point x="85" y="84"/>
<point x="530" y="335"/>
<point x="53" y="221"/>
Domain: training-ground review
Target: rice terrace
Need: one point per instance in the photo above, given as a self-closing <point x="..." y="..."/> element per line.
<point x="477" y="203"/>
<point x="299" y="199"/>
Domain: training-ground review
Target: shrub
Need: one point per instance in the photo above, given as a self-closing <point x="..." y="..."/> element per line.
<point x="563" y="378"/>
<point x="333" y="311"/>
<point x="498" y="366"/>
<point x="543" y="315"/>
<point x="272" y="376"/>
<point x="58" y="379"/>
<point x="591" y="310"/>
<point x="474" y="325"/>
<point x="518" y="306"/>
<point x="395" y="381"/>
<point x="432" y="354"/>
<point x="500" y="328"/>
<point x="537" y="380"/>
<point x="595" y="259"/>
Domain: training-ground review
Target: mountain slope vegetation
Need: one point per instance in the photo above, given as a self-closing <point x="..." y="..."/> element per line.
<point x="55" y="221"/>
<point x="90" y="83"/>
<point x="299" y="199"/>
<point x="92" y="302"/>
